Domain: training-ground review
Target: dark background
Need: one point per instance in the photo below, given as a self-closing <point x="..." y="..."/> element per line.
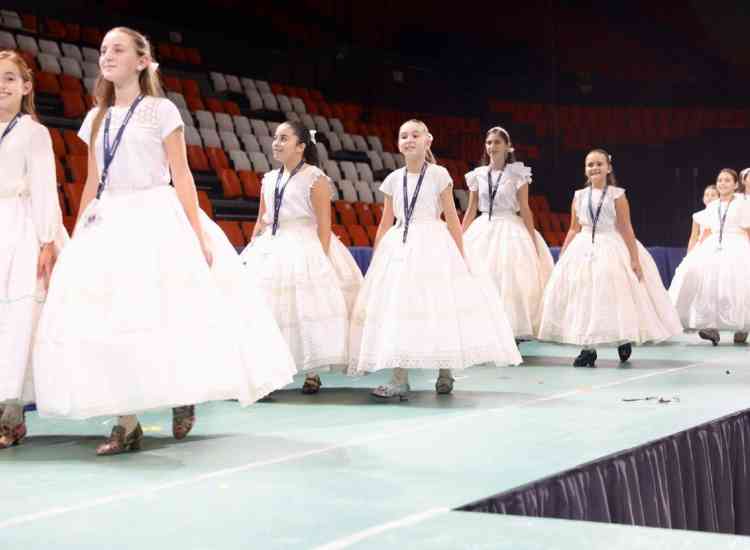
<point x="456" y="58"/>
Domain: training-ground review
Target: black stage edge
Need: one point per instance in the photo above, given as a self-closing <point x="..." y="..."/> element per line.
<point x="698" y="479"/>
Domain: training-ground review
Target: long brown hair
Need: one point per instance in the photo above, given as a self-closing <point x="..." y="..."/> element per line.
<point x="429" y="156"/>
<point x="510" y="156"/>
<point x="148" y="79"/>
<point x="28" y="106"/>
<point x="611" y="179"/>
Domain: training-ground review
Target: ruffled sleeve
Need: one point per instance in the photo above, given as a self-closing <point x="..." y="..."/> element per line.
<point x="519" y="174"/>
<point x="617" y="192"/>
<point x="315" y="175"/>
<point x="744" y="212"/>
<point x="700" y="217"/>
<point x="472" y="180"/>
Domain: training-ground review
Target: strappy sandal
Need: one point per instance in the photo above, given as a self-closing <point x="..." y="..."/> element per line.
<point x="119" y="443"/>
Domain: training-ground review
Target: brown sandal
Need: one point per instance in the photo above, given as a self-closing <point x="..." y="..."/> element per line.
<point x="11" y="437"/>
<point x="183" y="420"/>
<point x="119" y="443"/>
<point x="312" y="385"/>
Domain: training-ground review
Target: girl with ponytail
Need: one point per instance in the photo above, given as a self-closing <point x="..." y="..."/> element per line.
<point x="420" y="307"/>
<point x="503" y="238"/>
<point x="309" y="278"/>
<point x="147" y="308"/>
<point x="605" y="289"/>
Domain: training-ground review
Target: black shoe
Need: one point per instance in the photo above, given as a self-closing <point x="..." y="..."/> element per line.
<point x="624" y="352"/>
<point x="587" y="358"/>
<point x="710" y="334"/>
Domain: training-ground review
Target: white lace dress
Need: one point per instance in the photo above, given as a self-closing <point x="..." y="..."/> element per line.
<point x="420" y="306"/>
<point x="503" y="248"/>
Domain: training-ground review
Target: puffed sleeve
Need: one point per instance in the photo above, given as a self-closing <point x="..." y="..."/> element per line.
<point x="520" y="174"/>
<point x="472" y="180"/>
<point x="85" y="131"/>
<point x="169" y="118"/>
<point x="42" y="179"/>
<point x="443" y="179"/>
<point x="387" y="186"/>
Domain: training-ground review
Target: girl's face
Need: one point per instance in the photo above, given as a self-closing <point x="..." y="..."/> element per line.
<point x="413" y="140"/>
<point x="286" y="144"/>
<point x="726" y="184"/>
<point x="118" y="59"/>
<point x="496" y="146"/>
<point x="12" y="87"/>
<point x="597" y="167"/>
<point x="710" y="195"/>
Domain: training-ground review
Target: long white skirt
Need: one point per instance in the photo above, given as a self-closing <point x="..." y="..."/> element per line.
<point x="420" y="307"/>
<point x="21" y="296"/>
<point x="710" y="288"/>
<point x="518" y="266"/>
<point x="136" y="320"/>
<point x="309" y="293"/>
<point x="594" y="300"/>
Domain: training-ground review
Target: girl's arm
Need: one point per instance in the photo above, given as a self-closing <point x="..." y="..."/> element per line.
<point x="471" y="210"/>
<point x="451" y="217"/>
<point x="320" y="197"/>
<point x="174" y="144"/>
<point x="526" y="215"/>
<point x="386" y="222"/>
<point x="575" y="228"/>
<point x="622" y="208"/>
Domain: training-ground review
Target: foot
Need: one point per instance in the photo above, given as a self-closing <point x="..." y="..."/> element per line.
<point x="624" y="352"/>
<point x="119" y="442"/>
<point x="710" y="334"/>
<point x="740" y="337"/>
<point x="444" y="384"/>
<point x="587" y="358"/>
<point x="183" y="419"/>
<point x="389" y="391"/>
<point x="312" y="385"/>
<point x="10" y="437"/>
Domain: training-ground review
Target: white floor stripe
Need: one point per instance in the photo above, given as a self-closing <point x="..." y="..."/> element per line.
<point x="442" y="421"/>
<point x="354" y="538"/>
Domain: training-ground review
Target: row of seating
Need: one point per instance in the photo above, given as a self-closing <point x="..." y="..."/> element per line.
<point x="583" y="125"/>
<point x="55" y="29"/>
<point x="238" y="124"/>
<point x="243" y="182"/>
<point x="217" y="120"/>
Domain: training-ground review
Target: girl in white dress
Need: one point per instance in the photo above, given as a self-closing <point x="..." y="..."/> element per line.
<point x="31" y="233"/>
<point x="147" y="307"/>
<point x="605" y="289"/>
<point x="743" y="189"/>
<point x="309" y="278"/>
<point x="744" y="186"/>
<point x="710" y="287"/>
<point x="700" y="228"/>
<point x="502" y="241"/>
<point x="420" y="307"/>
